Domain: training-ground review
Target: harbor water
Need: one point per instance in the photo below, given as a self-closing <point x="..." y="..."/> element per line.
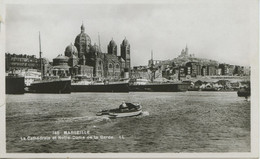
<point x="171" y="122"/>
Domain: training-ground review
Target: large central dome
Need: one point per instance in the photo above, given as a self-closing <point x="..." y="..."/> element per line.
<point x="82" y="36"/>
<point x="83" y="42"/>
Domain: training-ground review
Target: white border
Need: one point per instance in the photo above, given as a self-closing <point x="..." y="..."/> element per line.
<point x="254" y="102"/>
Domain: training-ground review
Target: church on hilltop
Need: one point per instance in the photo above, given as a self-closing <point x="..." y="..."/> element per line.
<point x="85" y="59"/>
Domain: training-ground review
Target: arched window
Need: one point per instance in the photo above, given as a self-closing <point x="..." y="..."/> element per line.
<point x="117" y="66"/>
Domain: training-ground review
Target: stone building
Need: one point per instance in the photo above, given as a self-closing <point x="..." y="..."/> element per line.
<point x="89" y="58"/>
<point x="23" y="62"/>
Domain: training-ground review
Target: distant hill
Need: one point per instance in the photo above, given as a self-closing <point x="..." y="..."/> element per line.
<point x="181" y="61"/>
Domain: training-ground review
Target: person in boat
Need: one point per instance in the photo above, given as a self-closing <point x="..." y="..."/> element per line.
<point x="128" y="106"/>
<point x="123" y="105"/>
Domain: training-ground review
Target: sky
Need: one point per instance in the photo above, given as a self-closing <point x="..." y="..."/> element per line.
<point x="223" y="30"/>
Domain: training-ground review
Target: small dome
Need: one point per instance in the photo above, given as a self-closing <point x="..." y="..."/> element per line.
<point x="60" y="60"/>
<point x="96" y="48"/>
<point x="61" y="57"/>
<point x="112" y="43"/>
<point x="125" y="42"/>
<point x="71" y="50"/>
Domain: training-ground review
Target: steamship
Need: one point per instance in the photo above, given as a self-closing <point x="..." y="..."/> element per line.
<point x="14" y="84"/>
<point x="50" y="84"/>
<point x="98" y="86"/>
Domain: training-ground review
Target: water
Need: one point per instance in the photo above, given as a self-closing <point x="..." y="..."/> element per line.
<point x="171" y="122"/>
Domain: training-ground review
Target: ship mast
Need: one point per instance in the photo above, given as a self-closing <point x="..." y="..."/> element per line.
<point x="99" y="42"/>
<point x="40" y="54"/>
<point x="152" y="67"/>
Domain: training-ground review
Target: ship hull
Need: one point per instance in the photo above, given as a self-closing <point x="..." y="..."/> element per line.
<point x="168" y="87"/>
<point x="14" y="85"/>
<point x="124" y="87"/>
<point x="61" y="86"/>
<point x="209" y="89"/>
<point x="243" y="93"/>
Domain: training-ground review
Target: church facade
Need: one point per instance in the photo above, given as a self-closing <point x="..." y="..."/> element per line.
<point x="88" y="60"/>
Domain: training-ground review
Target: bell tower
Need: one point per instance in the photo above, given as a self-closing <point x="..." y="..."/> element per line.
<point x="125" y="53"/>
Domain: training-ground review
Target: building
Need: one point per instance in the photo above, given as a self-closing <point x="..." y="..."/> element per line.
<point x="192" y="69"/>
<point x="246" y="70"/>
<point x="104" y="65"/>
<point x="204" y="71"/>
<point x="182" y="71"/>
<point x="211" y="70"/>
<point x="185" y="53"/>
<point x="139" y="72"/>
<point x="224" y="69"/>
<point x="23" y="62"/>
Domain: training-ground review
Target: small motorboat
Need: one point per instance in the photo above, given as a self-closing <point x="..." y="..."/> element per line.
<point x="129" y="110"/>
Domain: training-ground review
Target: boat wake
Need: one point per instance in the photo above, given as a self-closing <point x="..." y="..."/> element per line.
<point x="89" y="119"/>
<point x="145" y="113"/>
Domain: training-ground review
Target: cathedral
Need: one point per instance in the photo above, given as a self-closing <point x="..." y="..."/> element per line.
<point x="85" y="59"/>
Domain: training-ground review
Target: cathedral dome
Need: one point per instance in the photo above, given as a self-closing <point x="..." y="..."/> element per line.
<point x="82" y="37"/>
<point x="60" y="60"/>
<point x="125" y="42"/>
<point x="96" y="48"/>
<point x="112" y="43"/>
<point x="71" y="50"/>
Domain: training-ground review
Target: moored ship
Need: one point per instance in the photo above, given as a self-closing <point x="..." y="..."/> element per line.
<point x="51" y="86"/>
<point x="159" y="87"/>
<point x="87" y="86"/>
<point x="244" y="92"/>
<point x="55" y="84"/>
<point x="14" y="84"/>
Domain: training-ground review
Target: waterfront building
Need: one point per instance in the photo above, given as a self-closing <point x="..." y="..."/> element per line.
<point x="23" y="62"/>
<point x="84" y="57"/>
<point x="218" y="71"/>
<point x="211" y="70"/>
<point x="192" y="69"/>
<point x="224" y="69"/>
<point x="182" y="71"/>
<point x="198" y="68"/>
<point x="60" y="66"/>
<point x="145" y="72"/>
<point x="239" y="70"/>
<point x="246" y="70"/>
<point x="204" y="71"/>
<point x="140" y="72"/>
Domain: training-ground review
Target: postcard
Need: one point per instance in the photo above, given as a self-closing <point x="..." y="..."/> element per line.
<point x="129" y="79"/>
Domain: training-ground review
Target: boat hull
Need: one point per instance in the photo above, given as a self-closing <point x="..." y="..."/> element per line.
<point x="14" y="85"/>
<point x="61" y="86"/>
<point x="209" y="89"/>
<point x="101" y="88"/>
<point x="127" y="114"/>
<point x="168" y="87"/>
<point x="243" y="93"/>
